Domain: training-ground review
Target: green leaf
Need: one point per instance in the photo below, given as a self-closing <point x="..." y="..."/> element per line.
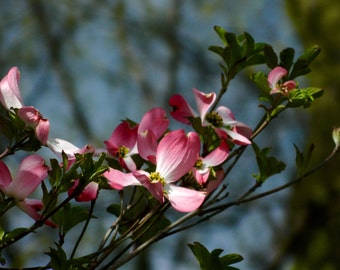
<point x="221" y="33"/>
<point x="270" y="56"/>
<point x="212" y="260"/>
<point x="301" y="66"/>
<point x="287" y="58"/>
<point x="303" y="97"/>
<point x="13" y="234"/>
<point x="70" y="216"/>
<point x="302" y="160"/>
<point x="267" y="165"/>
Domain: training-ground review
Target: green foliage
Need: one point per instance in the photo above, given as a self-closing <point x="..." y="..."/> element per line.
<point x="212" y="260"/>
<point x="69" y="216"/>
<point x="302" y="159"/>
<point x="303" y="97"/>
<point x="267" y="165"/>
<point x="238" y="52"/>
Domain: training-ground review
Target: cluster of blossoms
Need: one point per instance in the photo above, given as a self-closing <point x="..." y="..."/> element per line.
<point x="173" y="165"/>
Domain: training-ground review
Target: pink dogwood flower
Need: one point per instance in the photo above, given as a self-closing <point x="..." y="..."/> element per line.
<point x="274" y="78"/>
<point x="176" y="155"/>
<point x="123" y="144"/>
<point x="222" y="119"/>
<point x="32" y="171"/>
<point x="10" y="95"/>
<point x="33" y="118"/>
<point x="203" y="165"/>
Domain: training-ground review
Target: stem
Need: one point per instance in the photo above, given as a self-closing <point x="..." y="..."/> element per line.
<point x="93" y="202"/>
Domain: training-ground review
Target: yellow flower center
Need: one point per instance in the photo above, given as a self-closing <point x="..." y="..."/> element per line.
<point x="214" y="119"/>
<point x="122" y="151"/>
<point x="155" y="177"/>
<point x="199" y="163"/>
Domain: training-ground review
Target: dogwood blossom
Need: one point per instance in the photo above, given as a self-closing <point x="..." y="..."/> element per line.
<point x="32" y="171"/>
<point x="176" y="155"/>
<point x="221" y="119"/>
<point x="203" y="165"/>
<point x="123" y="144"/>
<point x="274" y="78"/>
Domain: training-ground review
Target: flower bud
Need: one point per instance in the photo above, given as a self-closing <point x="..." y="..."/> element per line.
<point x="336" y="136"/>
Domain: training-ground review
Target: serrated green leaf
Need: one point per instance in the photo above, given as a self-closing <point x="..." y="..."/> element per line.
<point x="303" y="97"/>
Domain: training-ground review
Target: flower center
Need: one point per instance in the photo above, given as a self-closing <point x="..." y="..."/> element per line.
<point x="199" y="164"/>
<point x="155" y="177"/>
<point x="214" y="119"/>
<point x="122" y="151"/>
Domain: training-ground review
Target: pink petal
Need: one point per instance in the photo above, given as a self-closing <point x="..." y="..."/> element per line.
<point x="30" y="207"/>
<point x="156" y="189"/>
<point x="58" y="146"/>
<point x="119" y="180"/>
<point x="29" y="115"/>
<point x="147" y="145"/>
<point x="184" y="199"/>
<point x="89" y="192"/>
<point x="123" y="135"/>
<point x="32" y="171"/>
<point x="154" y="120"/>
<point x="275" y="76"/>
<point x="181" y="110"/>
<point x="227" y="116"/>
<point x="217" y="156"/>
<point x="42" y="131"/>
<point x="5" y="176"/>
<point x="176" y="154"/>
<point x="237" y="138"/>
<point x="201" y="176"/>
<point x="290" y="85"/>
<point x="10" y="96"/>
<point x="204" y="102"/>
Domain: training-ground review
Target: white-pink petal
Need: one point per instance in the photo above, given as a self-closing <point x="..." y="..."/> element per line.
<point x="275" y="75"/>
<point x="176" y="154"/>
<point x="204" y="102"/>
<point x="32" y="171"/>
<point x="119" y="180"/>
<point x="10" y="95"/>
<point x="184" y="199"/>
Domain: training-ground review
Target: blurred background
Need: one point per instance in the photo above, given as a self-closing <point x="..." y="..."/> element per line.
<point x="88" y="64"/>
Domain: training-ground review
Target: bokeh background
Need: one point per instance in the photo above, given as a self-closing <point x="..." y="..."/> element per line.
<point x="88" y="64"/>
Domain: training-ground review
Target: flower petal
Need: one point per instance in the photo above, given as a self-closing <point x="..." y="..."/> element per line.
<point x="156" y="189"/>
<point x="176" y="154"/>
<point x="203" y="102"/>
<point x="123" y="135"/>
<point x="119" y="180"/>
<point x="154" y="120"/>
<point x="10" y="96"/>
<point x="275" y="75"/>
<point x="5" y="176"/>
<point x="30" y="207"/>
<point x="217" y="156"/>
<point x="181" y="110"/>
<point x="184" y="199"/>
<point x="32" y="171"/>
